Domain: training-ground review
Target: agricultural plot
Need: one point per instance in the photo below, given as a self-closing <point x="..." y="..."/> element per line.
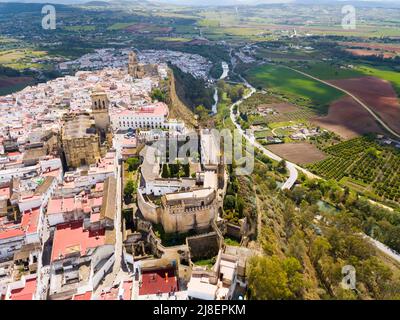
<point x="301" y="153"/>
<point x="378" y="94"/>
<point x="383" y="73"/>
<point x="298" y="115"/>
<point x="289" y="83"/>
<point x="20" y="59"/>
<point x="364" y="165"/>
<point x="274" y="109"/>
<point x="328" y="71"/>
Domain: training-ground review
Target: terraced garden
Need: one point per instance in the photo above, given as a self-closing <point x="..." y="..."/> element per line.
<point x="364" y="165"/>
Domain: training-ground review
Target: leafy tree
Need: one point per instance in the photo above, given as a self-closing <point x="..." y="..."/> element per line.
<point x="133" y="164"/>
<point x="240" y="206"/>
<point x="157" y="94"/>
<point x="202" y="112"/>
<point x="319" y="248"/>
<point x="129" y="188"/>
<point x="186" y="170"/>
<point x="275" y="278"/>
<point x="281" y="167"/>
<point x="230" y="202"/>
<point x="174" y="169"/>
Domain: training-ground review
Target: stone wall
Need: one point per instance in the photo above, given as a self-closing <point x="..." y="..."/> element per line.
<point x="190" y="219"/>
<point x="177" y="220"/>
<point x="233" y="231"/>
<point x="203" y="246"/>
<point x="85" y="150"/>
<point x="150" y="211"/>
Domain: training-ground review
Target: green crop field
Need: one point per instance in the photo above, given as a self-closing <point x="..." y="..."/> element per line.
<point x="172" y="39"/>
<point x="329" y="71"/>
<point x="79" y="28"/>
<point x="284" y="80"/>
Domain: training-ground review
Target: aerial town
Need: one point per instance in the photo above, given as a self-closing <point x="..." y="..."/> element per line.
<point x="66" y="232"/>
<point x="214" y="153"/>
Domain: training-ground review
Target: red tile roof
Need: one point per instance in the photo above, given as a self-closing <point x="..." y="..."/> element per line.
<point x="111" y="294"/>
<point x="83" y="296"/>
<point x="159" y="281"/>
<point x="127" y="285"/>
<point x="29" y="224"/>
<point x="25" y="293"/>
<point x="71" y="237"/>
<point x="30" y="220"/>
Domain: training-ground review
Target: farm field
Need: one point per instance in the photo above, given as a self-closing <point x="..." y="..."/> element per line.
<point x="297" y="115"/>
<point x="282" y="111"/>
<point x="364" y="165"/>
<point x="329" y="71"/>
<point x="300" y="153"/>
<point x="172" y="39"/>
<point x="79" y="28"/>
<point x="387" y="49"/>
<point x="341" y="119"/>
<point x="372" y="45"/>
<point x="370" y="53"/>
<point x="386" y="74"/>
<point x="20" y="59"/>
<point x="148" y="28"/>
<point x="11" y="84"/>
<point x="378" y="94"/>
<point x="287" y="81"/>
<point x="120" y="25"/>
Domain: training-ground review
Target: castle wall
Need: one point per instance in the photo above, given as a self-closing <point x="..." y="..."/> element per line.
<point x="149" y="211"/>
<point x="184" y="220"/>
<point x="177" y="219"/>
<point x="203" y="246"/>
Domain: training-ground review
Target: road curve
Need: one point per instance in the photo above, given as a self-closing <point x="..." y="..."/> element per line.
<point x="376" y="117"/>
<point x="291" y="167"/>
<point x="385" y="249"/>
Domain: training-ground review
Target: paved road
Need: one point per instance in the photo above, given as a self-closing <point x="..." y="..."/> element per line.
<point x="376" y="117"/>
<point x="291" y="167"/>
<point x="385" y="249"/>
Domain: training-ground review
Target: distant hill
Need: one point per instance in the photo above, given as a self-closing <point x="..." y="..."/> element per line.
<point x="45" y="1"/>
<point x="97" y="3"/>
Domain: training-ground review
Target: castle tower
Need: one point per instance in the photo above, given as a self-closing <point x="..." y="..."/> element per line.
<point x="100" y="104"/>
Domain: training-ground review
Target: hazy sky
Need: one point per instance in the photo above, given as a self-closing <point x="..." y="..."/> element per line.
<point x="204" y="2"/>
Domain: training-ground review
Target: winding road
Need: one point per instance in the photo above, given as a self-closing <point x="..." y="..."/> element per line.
<point x="291" y="167"/>
<point x="383" y="248"/>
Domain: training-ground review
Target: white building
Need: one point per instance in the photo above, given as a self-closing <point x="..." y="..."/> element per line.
<point x="149" y="116"/>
